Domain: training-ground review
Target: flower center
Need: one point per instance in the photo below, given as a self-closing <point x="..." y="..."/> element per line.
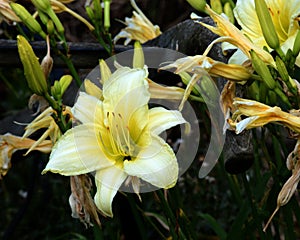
<point x="119" y="135"/>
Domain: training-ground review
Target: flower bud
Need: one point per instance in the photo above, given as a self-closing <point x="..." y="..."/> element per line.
<point x="262" y="69"/>
<point x="27" y="19"/>
<point x="33" y="72"/>
<point x="229" y="12"/>
<point x="59" y="87"/>
<point x="43" y="5"/>
<point x="266" y="24"/>
<point x="296" y="46"/>
<point x="216" y="5"/>
<point x="199" y="5"/>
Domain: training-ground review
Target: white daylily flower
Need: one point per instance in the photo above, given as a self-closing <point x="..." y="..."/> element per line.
<point x="118" y="138"/>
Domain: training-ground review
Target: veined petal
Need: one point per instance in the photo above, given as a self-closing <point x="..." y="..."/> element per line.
<point x="87" y="108"/>
<point x="161" y="119"/>
<point x="126" y="94"/>
<point x="128" y="86"/>
<point x="78" y="151"/>
<point x="108" y="181"/>
<point x="155" y="164"/>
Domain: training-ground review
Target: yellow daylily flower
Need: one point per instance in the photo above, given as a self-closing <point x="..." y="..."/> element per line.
<point x="6" y="11"/>
<point x="284" y="15"/>
<point x="231" y="34"/>
<point x="259" y="114"/>
<point x="138" y="27"/>
<point x="118" y="138"/>
<point x="10" y="144"/>
<point x="214" y="68"/>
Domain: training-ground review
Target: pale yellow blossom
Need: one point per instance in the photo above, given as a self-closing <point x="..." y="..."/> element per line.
<point x="284" y="15"/>
<point x="118" y="138"/>
<point x="138" y="27"/>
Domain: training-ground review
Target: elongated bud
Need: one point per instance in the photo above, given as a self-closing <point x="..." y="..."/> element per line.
<point x="199" y="5"/>
<point x="229" y="12"/>
<point x="216" y="5"/>
<point x="106" y="14"/>
<point x="43" y="5"/>
<point x="33" y="72"/>
<point x="296" y="47"/>
<point x="262" y="69"/>
<point x="28" y="19"/>
<point x="266" y="24"/>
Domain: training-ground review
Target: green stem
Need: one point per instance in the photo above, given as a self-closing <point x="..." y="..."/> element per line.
<point x="72" y="69"/>
<point x="253" y="206"/>
<point x="169" y="214"/>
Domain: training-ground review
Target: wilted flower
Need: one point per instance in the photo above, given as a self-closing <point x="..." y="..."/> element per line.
<point x="6" y="11"/>
<point x="290" y="186"/>
<point x="214" y="68"/>
<point x="118" y="138"/>
<point x="284" y="15"/>
<point x="10" y="144"/>
<point x="138" y="27"/>
<point x="259" y="114"/>
<point x="45" y="121"/>
<point x="231" y="34"/>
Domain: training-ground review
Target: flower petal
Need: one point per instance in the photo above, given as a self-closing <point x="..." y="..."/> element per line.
<point x="161" y="119"/>
<point x="87" y="109"/>
<point x="155" y="164"/>
<point x="108" y="181"/>
<point x="78" y="151"/>
<point x="126" y="94"/>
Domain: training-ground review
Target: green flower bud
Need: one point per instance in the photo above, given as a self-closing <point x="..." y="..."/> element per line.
<point x="59" y="87"/>
<point x="216" y="5"/>
<point x="33" y="72"/>
<point x="262" y="69"/>
<point x="55" y="90"/>
<point x="229" y="12"/>
<point x="199" y="5"/>
<point x="50" y="27"/>
<point x="285" y="75"/>
<point x="296" y="47"/>
<point x="43" y="5"/>
<point x="107" y="14"/>
<point x="28" y="19"/>
<point x="65" y="82"/>
<point x="266" y="24"/>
